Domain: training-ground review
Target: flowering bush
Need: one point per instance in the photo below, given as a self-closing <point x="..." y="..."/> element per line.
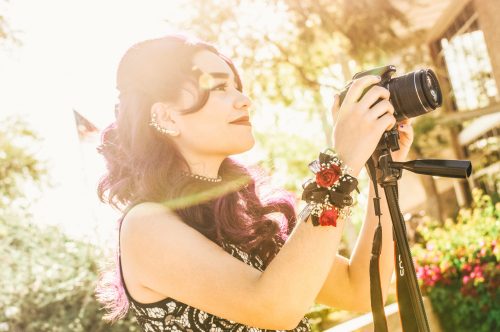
<point x="458" y="266"/>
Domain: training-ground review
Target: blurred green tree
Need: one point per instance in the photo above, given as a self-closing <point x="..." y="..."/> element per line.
<point x="47" y="279"/>
<point x="6" y="33"/>
<point x="3" y="27"/>
<point x="19" y="165"/>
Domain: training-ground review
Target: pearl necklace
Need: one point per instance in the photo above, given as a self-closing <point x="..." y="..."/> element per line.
<point x="202" y="178"/>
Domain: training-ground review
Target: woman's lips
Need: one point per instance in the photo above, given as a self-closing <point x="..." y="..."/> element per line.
<point x="244" y="123"/>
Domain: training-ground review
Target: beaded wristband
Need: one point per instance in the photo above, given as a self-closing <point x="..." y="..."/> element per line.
<point x="329" y="194"/>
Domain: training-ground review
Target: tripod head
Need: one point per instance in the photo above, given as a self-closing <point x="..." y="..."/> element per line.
<point x="459" y="169"/>
<point x="388" y="170"/>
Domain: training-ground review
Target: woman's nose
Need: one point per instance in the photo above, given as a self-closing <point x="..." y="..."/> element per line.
<point x="242" y="102"/>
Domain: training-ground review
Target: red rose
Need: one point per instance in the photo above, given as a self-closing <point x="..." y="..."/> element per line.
<point x="327" y="177"/>
<point x="329" y="217"/>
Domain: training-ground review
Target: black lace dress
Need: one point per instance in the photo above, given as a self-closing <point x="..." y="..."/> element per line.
<point x="172" y="315"/>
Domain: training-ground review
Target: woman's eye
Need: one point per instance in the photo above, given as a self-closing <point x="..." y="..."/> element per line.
<point x="220" y="87"/>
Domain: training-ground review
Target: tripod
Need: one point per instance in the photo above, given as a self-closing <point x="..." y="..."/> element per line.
<point x="384" y="171"/>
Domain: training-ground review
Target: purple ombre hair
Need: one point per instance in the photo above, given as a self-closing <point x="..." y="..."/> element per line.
<point x="110" y="290"/>
<point x="145" y="166"/>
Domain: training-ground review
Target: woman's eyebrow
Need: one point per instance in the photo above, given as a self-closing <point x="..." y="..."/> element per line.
<point x="223" y="75"/>
<point x="219" y="74"/>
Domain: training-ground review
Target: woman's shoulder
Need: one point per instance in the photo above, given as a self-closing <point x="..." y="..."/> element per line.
<point x="149" y="210"/>
<point x="146" y="208"/>
<point x="144" y="219"/>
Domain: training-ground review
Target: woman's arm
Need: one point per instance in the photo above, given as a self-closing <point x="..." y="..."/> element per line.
<point x="163" y="254"/>
<point x="348" y="283"/>
<point x="354" y="293"/>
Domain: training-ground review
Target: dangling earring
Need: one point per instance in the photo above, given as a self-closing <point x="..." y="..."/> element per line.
<point x="165" y="131"/>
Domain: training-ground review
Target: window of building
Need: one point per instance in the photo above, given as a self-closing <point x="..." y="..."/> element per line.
<point x="462" y="51"/>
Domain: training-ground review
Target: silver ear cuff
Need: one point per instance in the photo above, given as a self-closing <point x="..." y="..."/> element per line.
<point x="154" y="123"/>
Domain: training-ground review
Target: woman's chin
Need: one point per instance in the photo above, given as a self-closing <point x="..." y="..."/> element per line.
<point x="251" y="144"/>
<point x="245" y="146"/>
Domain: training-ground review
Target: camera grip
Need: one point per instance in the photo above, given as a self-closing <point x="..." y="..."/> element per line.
<point x="385" y="73"/>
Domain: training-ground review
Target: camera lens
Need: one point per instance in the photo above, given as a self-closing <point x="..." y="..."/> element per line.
<point x="431" y="89"/>
<point x="414" y="94"/>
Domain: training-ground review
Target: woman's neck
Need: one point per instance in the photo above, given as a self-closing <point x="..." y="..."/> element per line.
<point x="206" y="166"/>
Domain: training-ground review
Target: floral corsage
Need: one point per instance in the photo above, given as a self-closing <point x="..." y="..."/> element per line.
<point x="329" y="193"/>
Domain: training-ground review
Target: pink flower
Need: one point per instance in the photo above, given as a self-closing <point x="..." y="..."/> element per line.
<point x="478" y="273"/>
<point x="420" y="272"/>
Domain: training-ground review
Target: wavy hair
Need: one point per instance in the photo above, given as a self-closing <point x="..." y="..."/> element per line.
<point x="145" y="166"/>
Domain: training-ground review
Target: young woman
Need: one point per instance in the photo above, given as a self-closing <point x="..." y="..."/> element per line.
<point x="202" y="246"/>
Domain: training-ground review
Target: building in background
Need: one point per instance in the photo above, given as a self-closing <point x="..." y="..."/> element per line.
<point x="465" y="46"/>
<point x="463" y="40"/>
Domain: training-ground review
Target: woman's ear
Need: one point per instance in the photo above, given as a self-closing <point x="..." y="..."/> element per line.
<point x="162" y="119"/>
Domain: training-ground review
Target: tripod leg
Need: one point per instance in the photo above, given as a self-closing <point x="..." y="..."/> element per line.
<point x="415" y="311"/>
<point x="405" y="306"/>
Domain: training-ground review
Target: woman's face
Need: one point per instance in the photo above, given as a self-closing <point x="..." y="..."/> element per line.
<point x="209" y="131"/>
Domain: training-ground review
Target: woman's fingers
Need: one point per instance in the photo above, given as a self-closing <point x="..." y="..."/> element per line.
<point x="380" y="109"/>
<point x="386" y="121"/>
<point x="357" y="87"/>
<point x="406" y="122"/>
<point x="372" y="96"/>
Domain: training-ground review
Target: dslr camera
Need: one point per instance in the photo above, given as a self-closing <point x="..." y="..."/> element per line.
<point x="412" y="94"/>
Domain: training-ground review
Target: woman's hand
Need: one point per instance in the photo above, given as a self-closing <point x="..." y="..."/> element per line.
<point x="406" y="136"/>
<point x="361" y="121"/>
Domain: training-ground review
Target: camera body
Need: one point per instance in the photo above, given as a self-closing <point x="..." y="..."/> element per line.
<point x="412" y="94"/>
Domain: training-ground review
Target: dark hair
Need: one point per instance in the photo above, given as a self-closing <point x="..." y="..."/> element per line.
<point x="145" y="166"/>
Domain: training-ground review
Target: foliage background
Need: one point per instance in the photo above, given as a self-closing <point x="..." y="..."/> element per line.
<point x="458" y="266"/>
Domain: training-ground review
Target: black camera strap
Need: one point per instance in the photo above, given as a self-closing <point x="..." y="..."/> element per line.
<point x="379" y="319"/>
<point x="402" y="287"/>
